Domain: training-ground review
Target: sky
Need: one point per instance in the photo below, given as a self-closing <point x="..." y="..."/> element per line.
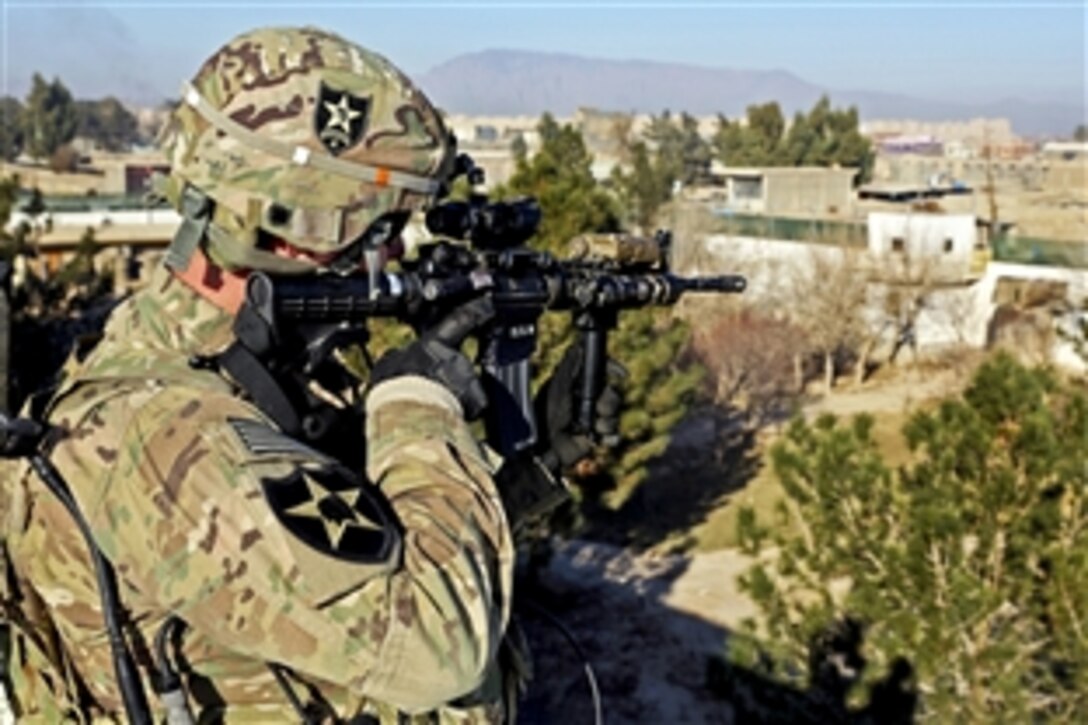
<point x="960" y="50"/>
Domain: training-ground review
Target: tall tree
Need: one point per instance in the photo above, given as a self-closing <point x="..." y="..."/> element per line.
<point x="50" y="119"/>
<point x="11" y="128"/>
<point x="642" y="189"/>
<point x="559" y="177"/>
<point x="695" y="152"/>
<point x="767" y="125"/>
<point x="9" y="195"/>
<point x="680" y="153"/>
<point x="965" y="570"/>
<point x="758" y="142"/>
<point x="671" y="152"/>
<point x="659" y="387"/>
<point x="822" y="137"/>
<point x="108" y="123"/>
<point x="519" y="149"/>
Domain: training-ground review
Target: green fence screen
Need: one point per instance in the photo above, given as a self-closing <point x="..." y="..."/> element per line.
<point x="1006" y="248"/>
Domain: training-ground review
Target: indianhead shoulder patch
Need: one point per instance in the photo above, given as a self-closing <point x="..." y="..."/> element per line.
<point x="340" y="118"/>
<point x="334" y="512"/>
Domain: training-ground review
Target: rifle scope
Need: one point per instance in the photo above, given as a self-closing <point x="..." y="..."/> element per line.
<point x="487" y="225"/>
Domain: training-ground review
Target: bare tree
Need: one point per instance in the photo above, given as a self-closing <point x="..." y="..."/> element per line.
<point x="829" y="301"/>
<point x="750" y="355"/>
<point x="622" y="135"/>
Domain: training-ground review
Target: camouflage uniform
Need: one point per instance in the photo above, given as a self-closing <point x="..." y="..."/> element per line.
<point x="162" y="461"/>
<point x="204" y="508"/>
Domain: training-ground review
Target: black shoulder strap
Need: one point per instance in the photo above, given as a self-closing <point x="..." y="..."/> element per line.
<point x="260" y="385"/>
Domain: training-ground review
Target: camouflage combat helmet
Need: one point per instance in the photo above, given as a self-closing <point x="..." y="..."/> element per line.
<point x="301" y="134"/>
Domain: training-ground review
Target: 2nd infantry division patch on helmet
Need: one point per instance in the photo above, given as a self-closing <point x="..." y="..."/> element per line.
<point x="332" y="512"/>
<point x="340" y="118"/>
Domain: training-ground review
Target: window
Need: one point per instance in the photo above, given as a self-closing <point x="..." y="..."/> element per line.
<point x="486" y="133"/>
<point x="898" y="244"/>
<point x="948" y="245"/>
<point x="748" y="187"/>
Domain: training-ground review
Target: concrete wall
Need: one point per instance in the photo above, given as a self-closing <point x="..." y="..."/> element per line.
<point x="1033" y="172"/>
<point x="938" y="235"/>
<point x="811" y="192"/>
<point x="924" y="248"/>
<point x="951" y="316"/>
<point x="96" y="219"/>
<point x="975" y="131"/>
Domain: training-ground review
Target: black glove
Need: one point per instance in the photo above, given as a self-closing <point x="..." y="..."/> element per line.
<point x="436" y="355"/>
<point x="561" y="445"/>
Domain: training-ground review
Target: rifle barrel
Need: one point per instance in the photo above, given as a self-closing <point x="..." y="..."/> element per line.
<point x="723" y="283"/>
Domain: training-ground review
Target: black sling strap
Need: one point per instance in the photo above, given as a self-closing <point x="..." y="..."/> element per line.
<point x="256" y="380"/>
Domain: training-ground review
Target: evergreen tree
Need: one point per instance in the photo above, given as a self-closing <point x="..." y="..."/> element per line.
<point x="642" y="189"/>
<point x="50" y="118"/>
<point x="822" y="137"/>
<point x="758" y="143"/>
<point x="79" y="270"/>
<point x="696" y="152"/>
<point x="670" y="152"/>
<point x="767" y="125"/>
<point x="108" y="123"/>
<point x="519" y="149"/>
<point x="801" y="142"/>
<point x="559" y="177"/>
<point x="659" y="387"/>
<point x="11" y="128"/>
<point x="680" y="153"/>
<point x="12" y="242"/>
<point x="966" y="568"/>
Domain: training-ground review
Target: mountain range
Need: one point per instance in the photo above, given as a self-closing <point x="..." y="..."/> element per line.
<point x="515" y="82"/>
<point x="101" y="55"/>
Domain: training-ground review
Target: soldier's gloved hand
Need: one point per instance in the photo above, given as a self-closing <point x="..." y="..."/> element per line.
<point x="436" y="355"/>
<point x="561" y="444"/>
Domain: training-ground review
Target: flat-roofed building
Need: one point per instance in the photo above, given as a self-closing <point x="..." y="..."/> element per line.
<point x="1065" y="151"/>
<point x="918" y="247"/>
<point x="805" y="191"/>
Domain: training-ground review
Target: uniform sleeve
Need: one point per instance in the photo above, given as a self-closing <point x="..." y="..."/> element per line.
<point x="266" y="547"/>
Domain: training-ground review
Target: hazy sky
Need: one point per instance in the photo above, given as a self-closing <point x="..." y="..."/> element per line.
<point x="955" y="50"/>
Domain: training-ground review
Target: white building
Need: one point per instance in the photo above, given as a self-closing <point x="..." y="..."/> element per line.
<point x="1066" y="150"/>
<point x="922" y="234"/>
<point x="913" y="245"/>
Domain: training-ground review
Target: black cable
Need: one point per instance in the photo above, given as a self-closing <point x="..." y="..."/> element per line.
<point x="587" y="666"/>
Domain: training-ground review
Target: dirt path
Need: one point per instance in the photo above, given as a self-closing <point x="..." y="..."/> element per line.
<point x="649" y="621"/>
<point x="905" y="392"/>
<point x="648" y="624"/>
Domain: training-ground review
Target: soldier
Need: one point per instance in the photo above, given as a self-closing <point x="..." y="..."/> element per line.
<point x="300" y="577"/>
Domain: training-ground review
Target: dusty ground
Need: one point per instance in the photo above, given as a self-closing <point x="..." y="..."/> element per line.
<point x="902" y="391"/>
<point x="648" y="623"/>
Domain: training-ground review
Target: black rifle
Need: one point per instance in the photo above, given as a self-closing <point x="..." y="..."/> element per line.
<point x="607" y="274"/>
